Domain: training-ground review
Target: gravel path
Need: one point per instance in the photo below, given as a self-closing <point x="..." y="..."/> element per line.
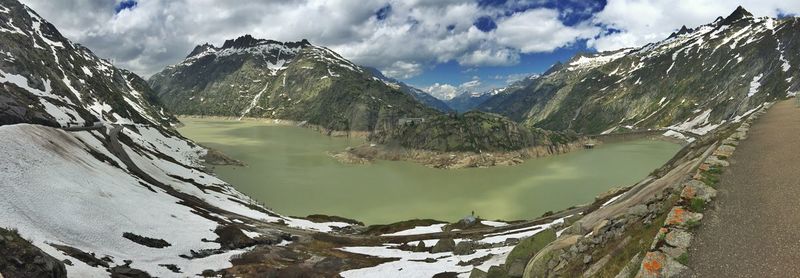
<point x="753" y="230"/>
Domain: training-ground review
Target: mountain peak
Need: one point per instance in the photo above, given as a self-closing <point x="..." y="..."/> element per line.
<point x="242" y="42"/>
<point x="200" y="49"/>
<point x="739" y="13"/>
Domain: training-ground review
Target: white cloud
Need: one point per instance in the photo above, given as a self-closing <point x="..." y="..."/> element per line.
<point x="442" y="91"/>
<point x="415" y="35"/>
<point x="490" y="57"/>
<point x="447" y="91"/>
<point x="539" y="30"/>
<point x="402" y="69"/>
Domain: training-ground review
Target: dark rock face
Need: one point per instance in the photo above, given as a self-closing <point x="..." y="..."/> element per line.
<point x="471" y="132"/>
<point x="739" y="13"/>
<point x="444" y="245"/>
<point x="713" y="72"/>
<point x="19" y="258"/>
<point x="146" y="241"/>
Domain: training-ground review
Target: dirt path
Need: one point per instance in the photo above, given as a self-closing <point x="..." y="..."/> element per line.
<point x="753" y="230"/>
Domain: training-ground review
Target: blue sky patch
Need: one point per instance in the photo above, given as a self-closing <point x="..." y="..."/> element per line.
<point x="485" y="24"/>
<point x="125" y="5"/>
<point x="384" y="12"/>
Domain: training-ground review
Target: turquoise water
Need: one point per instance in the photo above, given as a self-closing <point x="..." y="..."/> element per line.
<point x="288" y="169"/>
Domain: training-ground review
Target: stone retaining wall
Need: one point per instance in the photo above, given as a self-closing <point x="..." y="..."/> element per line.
<point x="586" y="247"/>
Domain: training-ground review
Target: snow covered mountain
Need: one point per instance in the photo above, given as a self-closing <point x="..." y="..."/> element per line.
<point x="692" y="81"/>
<point x="249" y="77"/>
<point x="93" y="174"/>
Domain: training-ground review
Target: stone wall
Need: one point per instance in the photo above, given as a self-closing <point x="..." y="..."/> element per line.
<point x="672" y="193"/>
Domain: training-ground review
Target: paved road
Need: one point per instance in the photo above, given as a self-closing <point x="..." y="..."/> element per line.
<point x="754" y="229"/>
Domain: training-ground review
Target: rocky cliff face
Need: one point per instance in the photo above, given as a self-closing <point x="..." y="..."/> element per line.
<point x="692" y="81"/>
<point x="249" y="77"/>
<point x="471" y="132"/>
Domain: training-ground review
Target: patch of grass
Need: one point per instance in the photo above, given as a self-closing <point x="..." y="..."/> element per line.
<point x="722" y="157"/>
<point x="714" y="170"/>
<point x="683" y="259"/>
<point x="662" y="237"/>
<point x="710" y="179"/>
<point x="697" y="205"/>
<point x="692" y="224"/>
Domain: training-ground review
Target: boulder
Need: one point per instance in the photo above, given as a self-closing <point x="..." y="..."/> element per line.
<point x="698" y="189"/>
<point x="497" y="271"/>
<point x="477" y="273"/>
<point x="528" y="247"/>
<point x="715" y="161"/>
<point x="465" y="248"/>
<point x="680" y="217"/>
<point x="420" y="247"/>
<point x="576" y="229"/>
<point x="538" y="265"/>
<point x="657" y="264"/>
<point x="511" y="241"/>
<point x="572" y="219"/>
<point x="725" y="150"/>
<point x="444" y="245"/>
<point x="599" y="228"/>
<point x="679" y="239"/>
<point x="730" y="141"/>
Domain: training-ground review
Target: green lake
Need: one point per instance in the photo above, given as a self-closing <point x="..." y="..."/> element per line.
<point x="288" y="169"/>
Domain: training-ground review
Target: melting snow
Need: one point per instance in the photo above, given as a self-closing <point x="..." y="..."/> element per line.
<point x="418" y="230"/>
<point x="755" y="85"/>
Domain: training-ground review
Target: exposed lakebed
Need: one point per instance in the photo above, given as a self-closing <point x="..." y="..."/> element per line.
<point x="289" y="170"/>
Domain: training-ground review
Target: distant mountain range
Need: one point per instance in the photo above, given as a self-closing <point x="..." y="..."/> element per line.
<point x="692" y="81"/>
<point x="468" y="101"/>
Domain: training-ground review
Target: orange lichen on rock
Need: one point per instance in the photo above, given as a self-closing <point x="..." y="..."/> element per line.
<point x="676" y="216"/>
<point x="651" y="263"/>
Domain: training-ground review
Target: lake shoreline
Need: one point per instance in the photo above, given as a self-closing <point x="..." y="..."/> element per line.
<point x="286" y="164"/>
<point x="369" y="153"/>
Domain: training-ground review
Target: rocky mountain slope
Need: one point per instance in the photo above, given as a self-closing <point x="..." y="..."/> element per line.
<point x="471" y="132"/>
<point x="94" y="175"/>
<point x="468" y="101"/>
<point x="249" y="77"/>
<point x="49" y="80"/>
<point x="418" y="94"/>
<point x="692" y="81"/>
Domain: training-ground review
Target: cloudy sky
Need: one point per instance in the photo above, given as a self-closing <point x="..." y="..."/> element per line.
<point x="443" y="46"/>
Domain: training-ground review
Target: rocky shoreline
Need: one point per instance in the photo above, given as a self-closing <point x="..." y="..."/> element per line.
<point x="368" y="153"/>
